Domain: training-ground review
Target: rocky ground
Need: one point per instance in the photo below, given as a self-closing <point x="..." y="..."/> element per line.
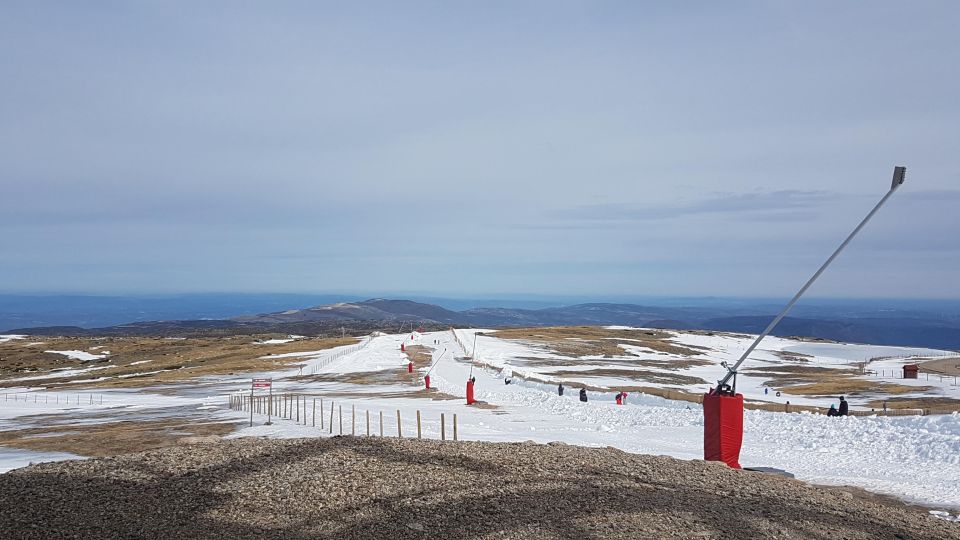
<point x="348" y="487"/>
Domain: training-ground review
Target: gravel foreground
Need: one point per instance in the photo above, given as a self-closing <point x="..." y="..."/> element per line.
<point x="347" y="487"/>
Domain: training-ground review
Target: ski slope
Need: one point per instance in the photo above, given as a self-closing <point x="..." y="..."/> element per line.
<point x="914" y="458"/>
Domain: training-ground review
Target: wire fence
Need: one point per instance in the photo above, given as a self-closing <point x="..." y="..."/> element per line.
<point x="951" y="380"/>
<point x="47" y="398"/>
<point x="327" y="416"/>
<point x="317" y="366"/>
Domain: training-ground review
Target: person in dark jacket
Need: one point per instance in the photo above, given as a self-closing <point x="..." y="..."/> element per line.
<point x="844" y="407"/>
<point x="832" y="411"/>
<point x="560" y="389"/>
<point x="583" y="395"/>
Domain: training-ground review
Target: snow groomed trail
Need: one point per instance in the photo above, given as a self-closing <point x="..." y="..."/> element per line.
<point x="914" y="458"/>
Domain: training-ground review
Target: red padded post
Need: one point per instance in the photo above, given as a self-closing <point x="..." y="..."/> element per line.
<point x="722" y="427"/>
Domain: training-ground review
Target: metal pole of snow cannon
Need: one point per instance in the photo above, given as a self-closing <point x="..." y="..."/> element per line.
<point x="722" y="406"/>
<point x="426" y="377"/>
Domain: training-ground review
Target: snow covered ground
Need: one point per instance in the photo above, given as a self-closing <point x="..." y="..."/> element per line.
<point x="915" y="458"/>
<point x="774" y="352"/>
<point x="81" y="355"/>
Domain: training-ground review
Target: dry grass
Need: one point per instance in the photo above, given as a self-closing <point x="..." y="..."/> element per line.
<point x="174" y="359"/>
<point x="851" y="387"/>
<point x="792" y="356"/>
<point x="579" y="341"/>
<point x="823" y="381"/>
<point x="632" y="374"/>
<point x="420" y="356"/>
<point x="112" y="438"/>
<point x="937" y="404"/>
<point x="942" y="366"/>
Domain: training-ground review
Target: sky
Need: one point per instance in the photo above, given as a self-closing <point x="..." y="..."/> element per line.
<point x="479" y="148"/>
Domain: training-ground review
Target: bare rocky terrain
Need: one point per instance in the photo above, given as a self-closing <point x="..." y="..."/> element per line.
<point x="348" y="487"/>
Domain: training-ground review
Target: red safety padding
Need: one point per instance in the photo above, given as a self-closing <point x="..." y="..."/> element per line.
<point x="470" y="400"/>
<point x="722" y="428"/>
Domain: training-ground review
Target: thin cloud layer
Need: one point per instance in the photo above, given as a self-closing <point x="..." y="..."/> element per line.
<point x="536" y="147"/>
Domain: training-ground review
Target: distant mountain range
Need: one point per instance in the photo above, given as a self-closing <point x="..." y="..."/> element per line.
<point x="863" y="325"/>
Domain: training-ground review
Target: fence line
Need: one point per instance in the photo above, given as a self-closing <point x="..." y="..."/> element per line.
<point x="341" y="353"/>
<point x="952" y="380"/>
<point x="46" y="398"/>
<point x="287" y="407"/>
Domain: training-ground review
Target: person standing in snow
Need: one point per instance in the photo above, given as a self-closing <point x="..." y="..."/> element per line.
<point x="560" y="389"/>
<point x="583" y="395"/>
<point x="844" y="407"/>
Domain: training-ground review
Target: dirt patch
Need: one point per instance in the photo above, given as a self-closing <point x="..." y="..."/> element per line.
<point x="851" y="387"/>
<point x="579" y="341"/>
<point x="665" y="363"/>
<point x="672" y="364"/>
<point x="632" y="374"/>
<point x="112" y="438"/>
<point x="372" y="487"/>
<point x="420" y="356"/>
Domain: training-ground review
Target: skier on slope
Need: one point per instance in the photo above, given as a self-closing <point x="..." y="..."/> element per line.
<point x="583" y="395"/>
<point x="560" y="389"/>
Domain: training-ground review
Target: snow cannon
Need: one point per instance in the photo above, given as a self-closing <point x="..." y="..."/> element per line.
<point x="470" y="400"/>
<point x="722" y="426"/>
<point x="426" y="381"/>
<point x="409" y="367"/>
<point x="723" y="406"/>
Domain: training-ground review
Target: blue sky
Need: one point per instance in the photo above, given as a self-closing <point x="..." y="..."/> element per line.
<point x="465" y="148"/>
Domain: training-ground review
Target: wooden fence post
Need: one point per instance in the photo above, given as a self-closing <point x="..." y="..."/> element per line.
<point x="381" y="423"/>
<point x="399" y="431"/>
<point x="368" y="422"/>
<point x="443" y="428"/>
<point x="331" y="418"/>
<point x="418" y="425"/>
<point x="298" y="408"/>
<point x="454" y="427"/>
<point x="340" y="410"/>
<point x="314" y="412"/>
<point x="353" y="420"/>
<point x="321" y="413"/>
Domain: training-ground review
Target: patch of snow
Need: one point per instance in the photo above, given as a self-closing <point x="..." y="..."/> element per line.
<point x="83" y="356"/>
<point x="14" y="458"/>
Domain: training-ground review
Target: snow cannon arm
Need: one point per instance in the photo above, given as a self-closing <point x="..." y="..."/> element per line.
<point x="899" y="175"/>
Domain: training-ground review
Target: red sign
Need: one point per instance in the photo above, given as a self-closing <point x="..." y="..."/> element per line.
<point x="262" y="383"/>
